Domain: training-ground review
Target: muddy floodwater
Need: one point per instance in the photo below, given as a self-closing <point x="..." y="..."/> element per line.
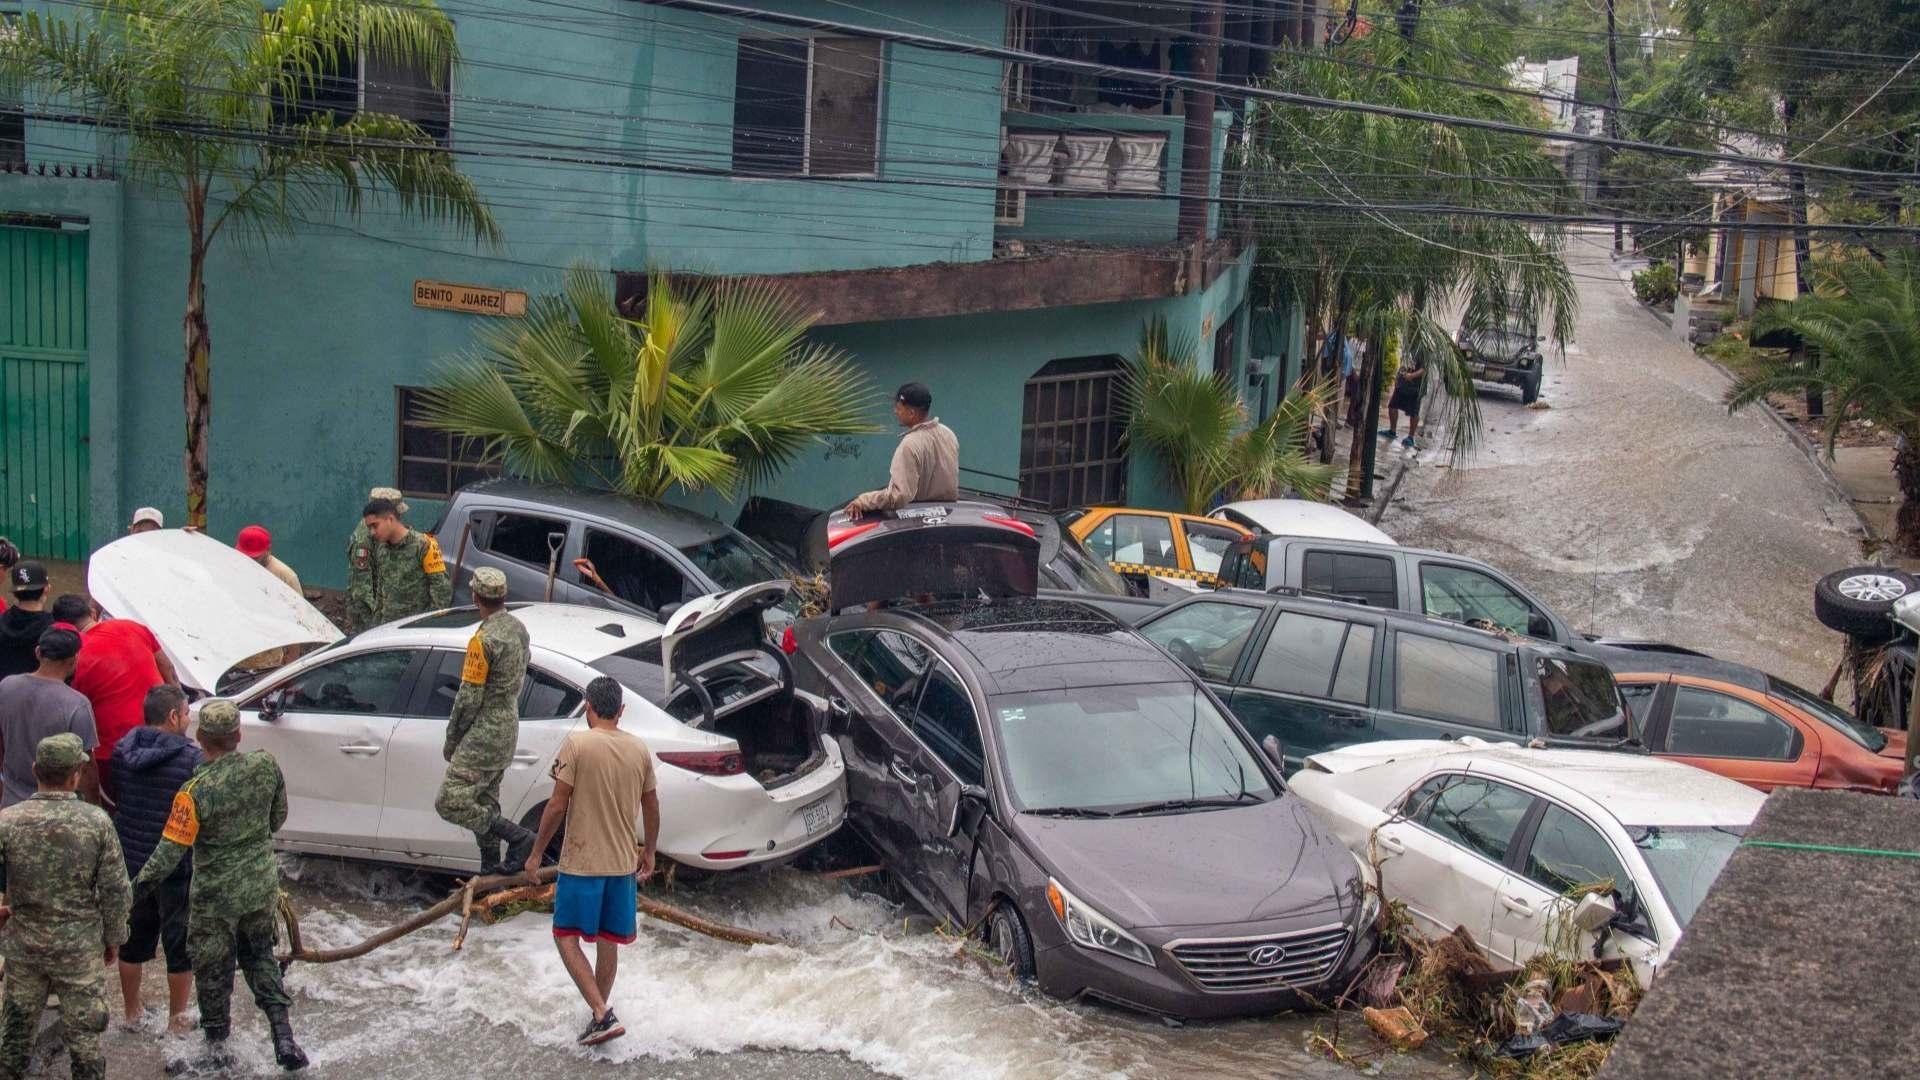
<point x="858" y="993"/>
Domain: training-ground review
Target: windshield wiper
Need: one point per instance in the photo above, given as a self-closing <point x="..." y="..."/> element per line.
<point x="1208" y="801"/>
<point x="1069" y="811"/>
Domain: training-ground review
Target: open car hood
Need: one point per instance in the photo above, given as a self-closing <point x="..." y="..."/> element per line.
<point x="937" y="549"/>
<point x="210" y="606"/>
<point x="718" y="624"/>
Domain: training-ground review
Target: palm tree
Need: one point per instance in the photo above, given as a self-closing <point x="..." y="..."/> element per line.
<point x="1195" y="423"/>
<point x="1862" y="318"/>
<point x="206" y="99"/>
<point x="709" y="388"/>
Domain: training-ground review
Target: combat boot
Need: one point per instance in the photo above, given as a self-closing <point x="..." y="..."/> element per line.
<point x="519" y="844"/>
<point x="489" y="853"/>
<point x="213" y="1059"/>
<point x="285" y="1050"/>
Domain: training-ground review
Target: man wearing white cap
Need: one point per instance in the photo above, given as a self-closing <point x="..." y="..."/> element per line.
<point x="146" y="519"/>
<point x="360" y="570"/>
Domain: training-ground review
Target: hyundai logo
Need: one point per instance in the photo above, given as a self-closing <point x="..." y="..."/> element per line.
<point x="1266" y="955"/>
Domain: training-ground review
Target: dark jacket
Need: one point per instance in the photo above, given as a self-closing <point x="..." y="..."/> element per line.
<point x="149" y="765"/>
<point x="20" y="631"/>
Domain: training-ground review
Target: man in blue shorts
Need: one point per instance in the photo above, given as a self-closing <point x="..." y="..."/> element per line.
<point x="603" y="785"/>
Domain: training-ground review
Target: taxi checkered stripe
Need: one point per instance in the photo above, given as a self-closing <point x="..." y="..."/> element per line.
<point x="1162" y="571"/>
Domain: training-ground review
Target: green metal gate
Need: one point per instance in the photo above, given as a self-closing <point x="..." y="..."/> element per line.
<point x="43" y="391"/>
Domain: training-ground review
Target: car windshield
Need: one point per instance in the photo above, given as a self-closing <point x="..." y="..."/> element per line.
<point x="1582" y="700"/>
<point x="1073" y="567"/>
<point x="1118" y="749"/>
<point x="1833" y="715"/>
<point x="1499" y="344"/>
<point x="734" y="562"/>
<point x="1685" y="860"/>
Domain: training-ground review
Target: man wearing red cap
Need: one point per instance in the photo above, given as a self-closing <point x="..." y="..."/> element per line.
<point x="256" y="543"/>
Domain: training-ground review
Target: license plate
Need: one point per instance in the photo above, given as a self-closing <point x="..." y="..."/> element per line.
<point x="819" y="816"/>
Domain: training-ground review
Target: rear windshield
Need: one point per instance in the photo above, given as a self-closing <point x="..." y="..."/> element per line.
<point x="1073" y="567"/>
<point x="1581" y="700"/>
<point x="1833" y="715"/>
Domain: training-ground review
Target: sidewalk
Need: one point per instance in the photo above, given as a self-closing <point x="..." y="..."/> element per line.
<point x="1865" y="473"/>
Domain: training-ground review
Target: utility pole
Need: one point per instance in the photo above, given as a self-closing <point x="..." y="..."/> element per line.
<point x="1613" y="114"/>
<point x="1209" y="23"/>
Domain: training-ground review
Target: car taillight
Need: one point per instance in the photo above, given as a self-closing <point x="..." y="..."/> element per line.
<point x="1009" y="522"/>
<point x="836" y="537"/>
<point x="788" y="643"/>
<point x="719" y="855"/>
<point x="707" y="762"/>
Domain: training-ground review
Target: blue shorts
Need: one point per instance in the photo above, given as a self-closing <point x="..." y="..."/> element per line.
<point x="591" y="908"/>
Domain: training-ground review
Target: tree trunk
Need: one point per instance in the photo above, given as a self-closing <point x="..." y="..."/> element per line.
<point x="1369" y="421"/>
<point x="1906" y="521"/>
<point x="1196" y="149"/>
<point x="199" y="347"/>
<point x="1357" y="441"/>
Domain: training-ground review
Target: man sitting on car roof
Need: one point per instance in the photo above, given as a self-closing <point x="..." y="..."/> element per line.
<point x="926" y="464"/>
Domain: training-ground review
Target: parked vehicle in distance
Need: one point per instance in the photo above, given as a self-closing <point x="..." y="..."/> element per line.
<point x="1752" y="727"/>
<point x="1436" y="583"/>
<point x="1504" y="347"/>
<point x="358" y="726"/>
<point x="605" y="550"/>
<point x="1032" y="767"/>
<point x="1516" y="844"/>
<point x="1301" y="517"/>
<point x="1878" y="608"/>
<point x="1144" y="544"/>
<point x="1319" y="674"/>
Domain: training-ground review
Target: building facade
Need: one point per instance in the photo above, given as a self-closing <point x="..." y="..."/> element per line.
<point x="1001" y="232"/>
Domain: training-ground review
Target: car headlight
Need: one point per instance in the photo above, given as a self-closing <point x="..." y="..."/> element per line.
<point x="1369" y="893"/>
<point x="1092" y="930"/>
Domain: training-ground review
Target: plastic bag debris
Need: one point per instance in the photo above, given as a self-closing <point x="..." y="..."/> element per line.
<point x="1561" y="1030"/>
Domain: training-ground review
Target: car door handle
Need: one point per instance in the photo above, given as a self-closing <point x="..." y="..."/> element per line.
<point x="1348" y="718"/>
<point x="1517" y="905"/>
<point x="525" y="758"/>
<point x="905" y="775"/>
<point x="361" y="749"/>
<point x="1394" y="844"/>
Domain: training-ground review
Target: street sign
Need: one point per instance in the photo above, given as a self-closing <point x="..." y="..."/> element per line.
<point x="474" y="299"/>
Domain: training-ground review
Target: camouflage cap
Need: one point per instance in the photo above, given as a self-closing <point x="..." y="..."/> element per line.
<point x="391" y="495"/>
<point x="62" y="751"/>
<point x="489" y="584"/>
<point x="219" y="717"/>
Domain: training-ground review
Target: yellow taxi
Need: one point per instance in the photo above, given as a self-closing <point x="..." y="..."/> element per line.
<point x="1141" y="544"/>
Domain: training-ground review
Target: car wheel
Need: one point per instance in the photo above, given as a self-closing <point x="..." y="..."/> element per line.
<point x="1858" y="601"/>
<point x="1008" y="938"/>
<point x="1530" y="389"/>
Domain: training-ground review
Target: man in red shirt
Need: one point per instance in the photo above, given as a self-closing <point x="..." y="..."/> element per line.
<point x="120" y="660"/>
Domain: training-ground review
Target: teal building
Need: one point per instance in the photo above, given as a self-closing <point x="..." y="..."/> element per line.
<point x="1000" y="231"/>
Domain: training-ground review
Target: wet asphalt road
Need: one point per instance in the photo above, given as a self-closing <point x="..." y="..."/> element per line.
<point x="1634" y="504"/>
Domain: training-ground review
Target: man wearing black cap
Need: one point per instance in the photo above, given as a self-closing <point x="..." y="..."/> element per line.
<point x="926" y="464"/>
<point x="22" y="624"/>
<point x="38" y="704"/>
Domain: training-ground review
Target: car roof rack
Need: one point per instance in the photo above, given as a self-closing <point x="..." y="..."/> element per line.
<point x="1316" y="594"/>
<point x="1012" y="502"/>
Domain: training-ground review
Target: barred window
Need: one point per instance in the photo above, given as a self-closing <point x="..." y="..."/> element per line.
<point x="432" y="464"/>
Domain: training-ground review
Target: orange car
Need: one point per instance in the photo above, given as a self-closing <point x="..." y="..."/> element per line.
<point x="1749" y="726"/>
<point x="1140" y="544"/>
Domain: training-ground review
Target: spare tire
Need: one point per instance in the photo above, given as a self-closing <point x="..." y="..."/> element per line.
<point x="1858" y="601"/>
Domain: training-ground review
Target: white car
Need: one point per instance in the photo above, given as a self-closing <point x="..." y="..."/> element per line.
<point x="1498" y="838"/>
<point x="1301" y="517"/>
<point x="746" y="773"/>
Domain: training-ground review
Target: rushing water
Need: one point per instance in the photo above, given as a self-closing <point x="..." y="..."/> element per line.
<point x="859" y="991"/>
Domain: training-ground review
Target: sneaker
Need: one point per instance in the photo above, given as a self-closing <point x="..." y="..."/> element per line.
<point x="1407" y="442"/>
<point x="1386" y="433"/>
<point x="605" y="1029"/>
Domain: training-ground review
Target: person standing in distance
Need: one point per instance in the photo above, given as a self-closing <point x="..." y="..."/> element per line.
<point x="152" y="763"/>
<point x="603" y="784"/>
<point x="66" y="912"/>
<point x="484" y="728"/>
<point x="926" y="464"/>
<point x="362" y="582"/>
<point x="38" y="704"/>
<point x="226" y="816"/>
<point x="146" y="519"/>
<point x="409" y="573"/>
<point x="22" y="624"/>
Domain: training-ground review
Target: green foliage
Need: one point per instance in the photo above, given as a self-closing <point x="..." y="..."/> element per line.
<point x="1657" y="285"/>
<point x="1196" y="424"/>
<point x="708" y="388"/>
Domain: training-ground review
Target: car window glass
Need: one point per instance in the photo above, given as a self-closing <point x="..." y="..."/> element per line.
<point x="1639" y="699"/>
<point x="634" y="572"/>
<point x="1710" y="724"/>
<point x="1418" y="805"/>
<point x="1469" y="596"/>
<point x="1207" y="544"/>
<point x="944" y="720"/>
<point x="547" y="698"/>
<point x="1569" y="856"/>
<point x="1142" y="541"/>
<point x="1355" y="677"/>
<point x="1300" y="654"/>
<point x="1446" y="680"/>
<point x="1581" y="699"/>
<point x="366" y="683"/>
<point x="1368" y="578"/>
<point x="524" y="537"/>
<point x="1479" y="815"/>
<point x="1245" y="566"/>
<point x="1207" y="636"/>
<point x="443" y="682"/>
<point x="889" y="663"/>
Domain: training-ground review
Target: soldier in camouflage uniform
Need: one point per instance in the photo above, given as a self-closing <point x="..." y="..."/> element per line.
<point x="227" y="815"/>
<point x="409" y="573"/>
<point x="484" y="728"/>
<point x="361" y="584"/>
<point x="67" y="904"/>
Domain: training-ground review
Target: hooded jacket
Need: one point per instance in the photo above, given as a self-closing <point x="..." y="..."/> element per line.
<point x="149" y="765"/>
<point x="20" y="631"/>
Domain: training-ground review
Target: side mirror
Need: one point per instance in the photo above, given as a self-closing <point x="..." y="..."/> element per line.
<point x="1276" y="752"/>
<point x="667" y="610"/>
<point x="272" y="705"/>
<point x="1593" y="911"/>
<point x="839" y="716"/>
<point x="969" y="806"/>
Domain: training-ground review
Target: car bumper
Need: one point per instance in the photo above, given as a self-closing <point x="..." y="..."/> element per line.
<point x="1170" y="988"/>
<point x="729" y="822"/>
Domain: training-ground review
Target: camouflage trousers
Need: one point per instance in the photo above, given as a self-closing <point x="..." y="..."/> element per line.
<point x="83" y="1015"/>
<point x="218" y="944"/>
<point x="470" y="798"/>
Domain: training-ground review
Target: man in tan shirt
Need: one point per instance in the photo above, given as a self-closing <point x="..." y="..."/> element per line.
<point x="603" y="785"/>
<point x="926" y="464"/>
